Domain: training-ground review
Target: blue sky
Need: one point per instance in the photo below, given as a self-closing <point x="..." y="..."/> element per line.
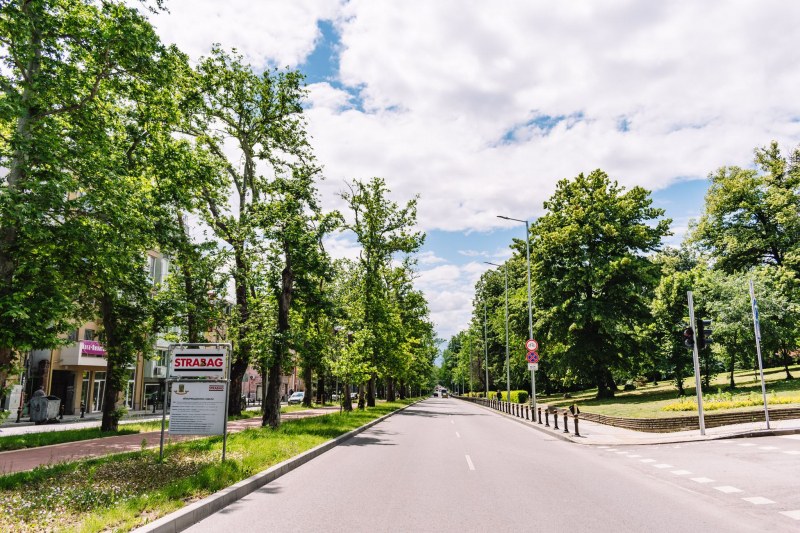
<point x="480" y="108"/>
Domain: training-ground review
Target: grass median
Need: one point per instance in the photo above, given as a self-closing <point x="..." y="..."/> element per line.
<point x="659" y="400"/>
<point x="125" y="491"/>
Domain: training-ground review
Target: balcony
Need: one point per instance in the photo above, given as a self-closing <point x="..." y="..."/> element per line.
<point x="83" y="353"/>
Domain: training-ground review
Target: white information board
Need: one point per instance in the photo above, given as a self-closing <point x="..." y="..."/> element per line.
<point x="198" y="408"/>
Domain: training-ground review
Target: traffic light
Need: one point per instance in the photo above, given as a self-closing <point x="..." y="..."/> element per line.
<point x="704" y="333"/>
<point x="688" y="338"/>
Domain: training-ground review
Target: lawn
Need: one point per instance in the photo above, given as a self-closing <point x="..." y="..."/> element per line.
<point x="125" y="491"/>
<point x="653" y="400"/>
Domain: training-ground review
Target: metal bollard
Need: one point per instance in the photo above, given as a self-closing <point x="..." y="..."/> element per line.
<point x="540" y="414"/>
<point x="547" y="418"/>
<point x="555" y="420"/>
<point x="575" y="418"/>
<point x="526" y="413"/>
<point x="516" y="410"/>
<point x="566" y="428"/>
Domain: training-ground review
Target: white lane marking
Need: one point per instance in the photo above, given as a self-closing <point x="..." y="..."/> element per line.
<point x="663" y="465"/>
<point x="702" y="479"/>
<point x="758" y="500"/>
<point x="793" y="452"/>
<point x="469" y="463"/>
<point x="648" y="460"/>
<point x="634" y="456"/>
<point x="746" y="444"/>
<point x="623" y="453"/>
<point x="792" y="514"/>
<point x="727" y="489"/>
<point x="458" y="434"/>
<point x="452" y="422"/>
<point x="681" y="472"/>
<point x="602" y="447"/>
<point x="767" y="447"/>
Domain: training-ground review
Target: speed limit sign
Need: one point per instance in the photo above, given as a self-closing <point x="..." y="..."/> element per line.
<point x="531" y="345"/>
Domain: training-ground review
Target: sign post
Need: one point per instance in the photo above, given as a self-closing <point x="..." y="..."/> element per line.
<point x="197" y="384"/>
<point x="696" y="361"/>
<point x="533" y="365"/>
<point x="757" y="330"/>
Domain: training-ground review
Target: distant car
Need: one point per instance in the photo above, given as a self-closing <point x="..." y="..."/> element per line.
<point x="296" y="397"/>
<point x="444" y="393"/>
<point x="335" y="397"/>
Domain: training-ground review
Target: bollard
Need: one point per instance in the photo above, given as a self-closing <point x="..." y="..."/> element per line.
<point x="566" y="428"/>
<point x="546" y="418"/>
<point x="526" y="413"/>
<point x="555" y="420"/>
<point x="516" y="410"/>
<point x="540" y="414"/>
<point x="575" y="418"/>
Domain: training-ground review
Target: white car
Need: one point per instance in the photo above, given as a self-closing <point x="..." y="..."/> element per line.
<point x="296" y="397"/>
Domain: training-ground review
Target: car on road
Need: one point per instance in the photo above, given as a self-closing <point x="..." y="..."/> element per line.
<point x="444" y="393"/>
<point x="296" y="397"/>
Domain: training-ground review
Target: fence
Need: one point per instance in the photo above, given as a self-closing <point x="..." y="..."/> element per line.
<point x="525" y="412"/>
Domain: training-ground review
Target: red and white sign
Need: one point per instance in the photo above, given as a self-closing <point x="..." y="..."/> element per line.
<point x="531" y="345"/>
<point x="198" y="363"/>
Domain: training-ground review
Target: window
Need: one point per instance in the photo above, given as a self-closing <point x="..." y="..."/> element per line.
<point x="88" y="334"/>
<point x="73" y="335"/>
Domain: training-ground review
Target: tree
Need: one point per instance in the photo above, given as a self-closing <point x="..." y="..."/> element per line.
<point x="592" y="275"/>
<point x="61" y="61"/>
<point x="753" y="218"/>
<point x="382" y="229"/>
<point x="262" y="116"/>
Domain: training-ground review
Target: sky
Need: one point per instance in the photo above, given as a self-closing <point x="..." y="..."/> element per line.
<point x="481" y="107"/>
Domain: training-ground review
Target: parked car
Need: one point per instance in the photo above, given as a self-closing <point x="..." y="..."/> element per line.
<point x="296" y="397"/>
<point x="354" y="396"/>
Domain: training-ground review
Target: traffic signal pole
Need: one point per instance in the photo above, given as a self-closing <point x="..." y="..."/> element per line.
<point x="696" y="357"/>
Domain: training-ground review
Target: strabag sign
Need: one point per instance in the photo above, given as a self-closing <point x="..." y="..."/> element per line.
<point x="198" y="363"/>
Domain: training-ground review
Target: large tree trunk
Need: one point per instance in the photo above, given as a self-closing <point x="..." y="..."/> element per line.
<point x="242" y="355"/>
<point x="732" y="369"/>
<point x="390" y="389"/>
<point x="785" y="354"/>
<point x="272" y="414"/>
<point x="321" y="389"/>
<point x="307" y="379"/>
<point x="371" y="391"/>
<point x="362" y="403"/>
<point x="347" y="404"/>
<point x="110" y="422"/>
<point x="402" y="390"/>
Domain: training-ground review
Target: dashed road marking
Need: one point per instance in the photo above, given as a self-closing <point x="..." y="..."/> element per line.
<point x="648" y="460"/>
<point x="746" y="444"/>
<point x="634" y="456"/>
<point x="767" y="447"/>
<point x="458" y="434"/>
<point x="793" y="452"/>
<point x="663" y="465"/>
<point x="681" y="472"/>
<point x="792" y="514"/>
<point x="727" y="489"/>
<point x="452" y="422"/>
<point x="758" y="500"/>
<point x="611" y="449"/>
<point x="602" y="447"/>
<point x="702" y="480"/>
<point x="469" y="463"/>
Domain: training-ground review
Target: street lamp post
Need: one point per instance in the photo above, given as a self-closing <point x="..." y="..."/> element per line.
<point x="508" y="366"/>
<point x="485" y="350"/>
<point x="530" y="307"/>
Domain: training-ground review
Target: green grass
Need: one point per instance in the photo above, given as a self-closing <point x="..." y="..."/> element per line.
<point x="47" y="438"/>
<point x="125" y="491"/>
<point x="654" y="400"/>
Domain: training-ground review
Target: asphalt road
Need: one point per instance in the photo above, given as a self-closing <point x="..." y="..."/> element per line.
<point x="445" y="465"/>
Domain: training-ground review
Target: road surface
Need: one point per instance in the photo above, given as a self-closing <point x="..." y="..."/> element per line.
<point x="446" y="465"/>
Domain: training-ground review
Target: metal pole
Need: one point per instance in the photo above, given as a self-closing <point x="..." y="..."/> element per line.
<point x="485" y="349"/>
<point x="508" y="366"/>
<point x="696" y="357"/>
<point x="530" y="307"/>
<point x="757" y="330"/>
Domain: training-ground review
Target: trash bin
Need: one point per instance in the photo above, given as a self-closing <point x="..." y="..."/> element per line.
<point x="44" y="408"/>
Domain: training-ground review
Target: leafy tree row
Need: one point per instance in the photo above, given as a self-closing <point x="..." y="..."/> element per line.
<point x="113" y="145"/>
<point x="610" y="300"/>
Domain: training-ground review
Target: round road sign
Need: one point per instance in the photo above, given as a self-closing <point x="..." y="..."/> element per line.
<point x="531" y="345"/>
<point x="532" y="357"/>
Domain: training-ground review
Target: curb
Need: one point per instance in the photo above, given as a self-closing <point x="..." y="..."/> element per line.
<point x="197" y="511"/>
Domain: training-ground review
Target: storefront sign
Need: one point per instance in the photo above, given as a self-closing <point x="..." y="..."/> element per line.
<point x="92" y="348"/>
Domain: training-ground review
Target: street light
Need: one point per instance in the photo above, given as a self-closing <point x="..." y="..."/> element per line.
<point x="508" y="367"/>
<point x="485" y="350"/>
<point x="530" y="307"/>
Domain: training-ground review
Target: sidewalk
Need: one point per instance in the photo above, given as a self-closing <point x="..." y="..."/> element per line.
<point x="592" y="433"/>
<point x="27" y="459"/>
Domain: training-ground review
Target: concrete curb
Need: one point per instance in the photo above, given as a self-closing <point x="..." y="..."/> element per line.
<point x="197" y="511"/>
